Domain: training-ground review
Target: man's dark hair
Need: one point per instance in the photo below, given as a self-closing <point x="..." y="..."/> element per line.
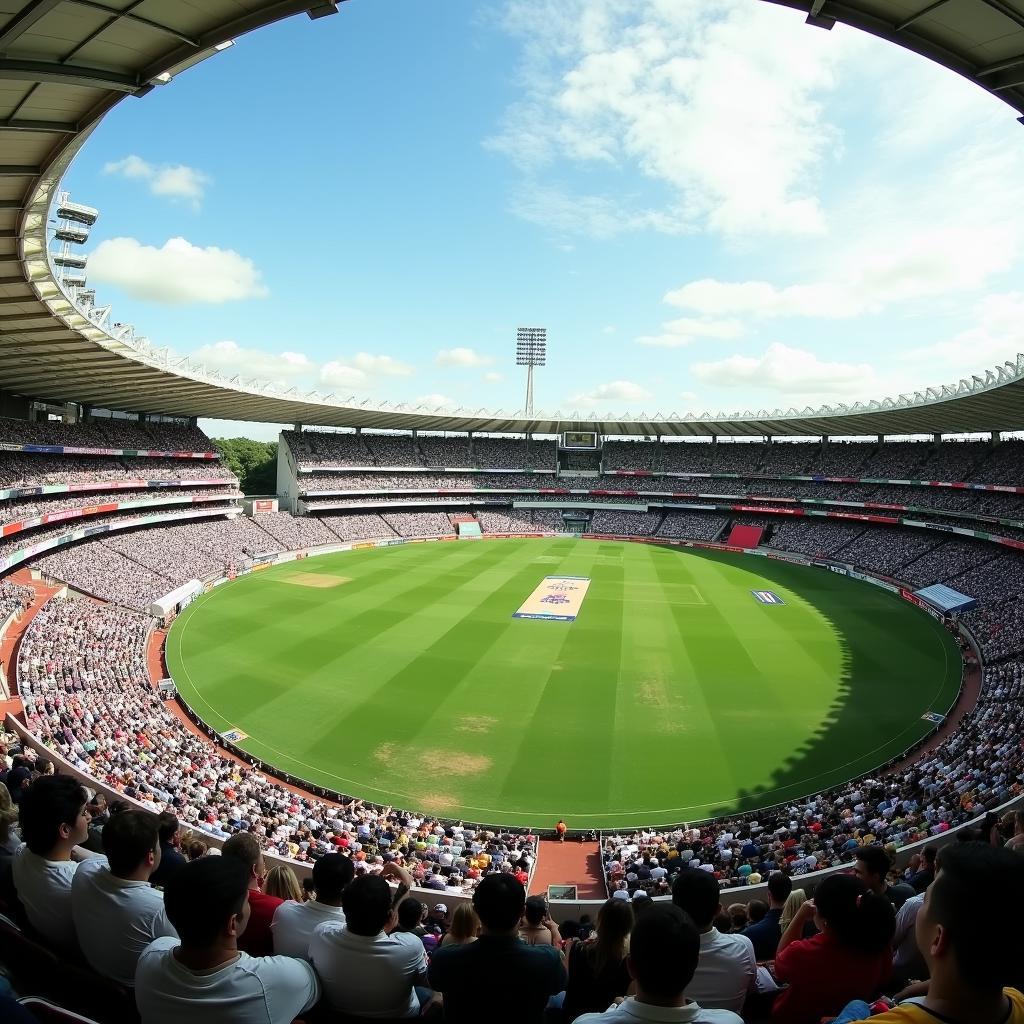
<point x="168" y="825"/>
<point x="410" y="913"/>
<point x="51" y="801"/>
<point x="367" y="905"/>
<point x="779" y="886"/>
<point x="535" y="910"/>
<point x="857" y="918"/>
<point x="930" y="853"/>
<point x="499" y="901"/>
<point x="875" y="859"/>
<point x="696" y="893"/>
<point x="664" y="947"/>
<point x="331" y="874"/>
<point x="244" y="848"/>
<point x="201" y="896"/>
<point x="988" y="950"/>
<point x="127" y="839"/>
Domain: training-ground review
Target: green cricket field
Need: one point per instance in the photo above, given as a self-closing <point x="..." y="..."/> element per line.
<point x="403" y="676"/>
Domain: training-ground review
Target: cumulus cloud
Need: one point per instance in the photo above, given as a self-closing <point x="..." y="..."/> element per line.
<point x="435" y="401"/>
<point x="614" y="391"/>
<point x="230" y="357"/>
<point x="491" y="377"/>
<point x="383" y="366"/>
<point x="462" y="357"/>
<point x="677" y="333"/>
<point x="176" y="273"/>
<point x="721" y="102"/>
<point x="174" y="181"/>
<point x="360" y="370"/>
<point x="783" y="370"/>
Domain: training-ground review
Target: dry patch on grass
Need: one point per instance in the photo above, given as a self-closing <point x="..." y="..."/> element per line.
<point x="315" y="579"/>
<point x="475" y="723"/>
<point x="437" y="802"/>
<point x="653" y="692"/>
<point x="385" y="753"/>
<point x="411" y="760"/>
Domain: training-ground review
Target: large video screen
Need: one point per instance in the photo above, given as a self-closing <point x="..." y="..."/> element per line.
<point x="579" y="439"/>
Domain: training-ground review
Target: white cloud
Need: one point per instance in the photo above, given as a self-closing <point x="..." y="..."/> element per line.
<point x="462" y="357"/>
<point x="383" y="366"/>
<point x="175" y="181"/>
<point x="615" y="391"/>
<point x="687" y="396"/>
<point x="340" y="375"/>
<point x="720" y="101"/>
<point x="783" y="370"/>
<point x="435" y="401"/>
<point x="230" y="357"/>
<point x="610" y="329"/>
<point x="677" y="333"/>
<point x="492" y="378"/>
<point x="176" y="273"/>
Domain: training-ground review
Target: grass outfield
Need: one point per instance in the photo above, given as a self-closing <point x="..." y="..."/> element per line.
<point x="400" y="675"/>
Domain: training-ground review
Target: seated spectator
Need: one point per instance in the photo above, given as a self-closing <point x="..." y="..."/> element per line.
<point x="366" y="972"/>
<point x="117" y="913"/>
<point x="171" y="857"/>
<point x="294" y="923"/>
<point x="204" y="978"/>
<point x="464" y="927"/>
<point x="727" y="971"/>
<point x="54" y="820"/>
<point x="738" y="917"/>
<point x="257" y="940"/>
<point x="765" y="934"/>
<point x="282" y="883"/>
<point x="10" y="839"/>
<point x="849" y="958"/>
<point x="597" y="967"/>
<point x="412" y="916"/>
<point x="871" y="865"/>
<point x="971" y="957"/>
<point x="537" y="928"/>
<point x="664" y="952"/>
<point x="498" y="969"/>
<point x="1016" y="840"/>
<point x="907" y="962"/>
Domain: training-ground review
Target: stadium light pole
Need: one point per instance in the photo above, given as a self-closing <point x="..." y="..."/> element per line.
<point x="531" y="351"/>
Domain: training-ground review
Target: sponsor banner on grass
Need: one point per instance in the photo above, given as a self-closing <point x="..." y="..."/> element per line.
<point x="555" y="597"/>
<point x="767" y="597"/>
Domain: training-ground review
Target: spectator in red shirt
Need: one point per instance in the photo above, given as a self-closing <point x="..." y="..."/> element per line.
<point x="257" y="939"/>
<point x="849" y="959"/>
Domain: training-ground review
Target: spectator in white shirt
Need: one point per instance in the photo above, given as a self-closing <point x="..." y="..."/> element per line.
<point x="205" y="979"/>
<point x="365" y="971"/>
<point x="116" y="912"/>
<point x="294" y="923"/>
<point x="54" y="820"/>
<point x="727" y="971"/>
<point x="664" y="948"/>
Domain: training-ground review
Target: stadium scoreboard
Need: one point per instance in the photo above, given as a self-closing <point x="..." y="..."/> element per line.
<point x="585" y="439"/>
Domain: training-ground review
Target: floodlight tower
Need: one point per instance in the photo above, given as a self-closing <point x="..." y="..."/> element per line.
<point x="531" y="351"/>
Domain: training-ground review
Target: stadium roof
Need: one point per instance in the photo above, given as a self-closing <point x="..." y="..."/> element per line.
<point x="65" y="63"/>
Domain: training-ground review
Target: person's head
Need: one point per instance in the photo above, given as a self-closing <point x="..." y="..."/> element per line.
<point x="330" y="876"/>
<point x="53" y="816"/>
<point x="696" y="893"/>
<point x="195" y="849"/>
<point x="871" y="865"/>
<point x="1018" y="823"/>
<point x="854" y="915"/>
<point x="207" y="901"/>
<point x="282" y="883"/>
<point x="411" y="913"/>
<point x="614" y="922"/>
<point x="535" y="911"/>
<point x="972" y="951"/>
<point x="132" y="845"/>
<point x="168" y="824"/>
<point x="779" y="888"/>
<point x="8" y="813"/>
<point x="244" y="848"/>
<point x="465" y="923"/>
<point x="499" y="901"/>
<point x="756" y="911"/>
<point x="738" y="916"/>
<point x="367" y="905"/>
<point x="664" y="946"/>
<point x="928" y="857"/>
<point x="794" y="901"/>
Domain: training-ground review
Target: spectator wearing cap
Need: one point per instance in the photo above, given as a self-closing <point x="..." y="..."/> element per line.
<point x="498" y="969"/>
<point x="116" y="911"/>
<point x="765" y="934"/>
<point x="293" y="923"/>
<point x="437" y="919"/>
<point x="365" y="971"/>
<point x="664" y="953"/>
<point x="204" y="978"/>
<point x="727" y="971"/>
<point x="257" y="939"/>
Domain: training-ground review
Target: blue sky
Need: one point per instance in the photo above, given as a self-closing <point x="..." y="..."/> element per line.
<point x="710" y="206"/>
